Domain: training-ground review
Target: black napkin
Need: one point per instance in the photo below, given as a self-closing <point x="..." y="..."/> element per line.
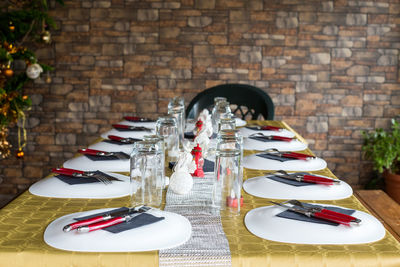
<point x="138" y="221"/>
<point x="274" y="157"/>
<point x="288" y="181"/>
<point x="98" y="158"/>
<point x="132" y="130"/>
<point x="138" y="119"/>
<point x="288" y="214"/>
<point x="84" y="180"/>
<point x="207" y="167"/>
<point x="76" y="180"/>
<point x="189" y="135"/>
<point x="262" y="139"/>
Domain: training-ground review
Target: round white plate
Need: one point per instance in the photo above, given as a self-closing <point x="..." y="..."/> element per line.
<point x="240" y="122"/>
<point x="263" y="223"/>
<point x="173" y="231"/>
<point x="267" y="188"/>
<point x="259" y="163"/>
<point x="110" y="147"/>
<point x="133" y="134"/>
<point x="285" y="133"/>
<point x="86" y="164"/>
<point x="53" y="187"/>
<point x="294" y="145"/>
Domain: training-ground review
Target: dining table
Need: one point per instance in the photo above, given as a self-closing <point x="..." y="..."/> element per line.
<point x="24" y="221"/>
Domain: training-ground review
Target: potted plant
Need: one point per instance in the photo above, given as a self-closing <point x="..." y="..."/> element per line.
<point x="383" y="149"/>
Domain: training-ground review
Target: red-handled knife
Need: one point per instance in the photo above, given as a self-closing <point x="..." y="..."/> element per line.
<point x="271" y="137"/>
<point x="322" y="215"/>
<point x="271" y="128"/>
<point x="124" y="140"/>
<point x="105" y="217"/>
<point x="307" y="178"/>
<point x="94" y="152"/>
<point x="137" y="119"/>
<point x="130" y="128"/>
<point x="101" y="225"/>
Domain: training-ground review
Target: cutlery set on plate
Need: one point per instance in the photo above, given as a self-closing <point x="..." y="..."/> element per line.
<point x="100" y="176"/>
<point x="318" y="212"/>
<point x="105" y="220"/>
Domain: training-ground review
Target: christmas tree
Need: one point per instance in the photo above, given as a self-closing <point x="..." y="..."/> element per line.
<point x="24" y="24"/>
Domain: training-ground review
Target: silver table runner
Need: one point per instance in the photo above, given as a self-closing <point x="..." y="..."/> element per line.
<point x="208" y="245"/>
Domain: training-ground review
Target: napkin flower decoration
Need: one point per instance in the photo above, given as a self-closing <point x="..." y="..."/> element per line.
<point x="181" y="182"/>
<point x="205" y="117"/>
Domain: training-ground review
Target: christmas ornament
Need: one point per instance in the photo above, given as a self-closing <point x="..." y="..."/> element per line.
<point x="46" y="37"/>
<point x="181" y="182"/>
<point x="8" y="71"/>
<point x="11" y="26"/>
<point x="199" y="161"/>
<point x="33" y="71"/>
<point x="20" y="154"/>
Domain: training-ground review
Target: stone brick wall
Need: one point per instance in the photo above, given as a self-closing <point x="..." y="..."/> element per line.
<point x="331" y="67"/>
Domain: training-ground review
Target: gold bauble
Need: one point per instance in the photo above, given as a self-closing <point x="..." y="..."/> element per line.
<point x="46" y="37"/>
<point x="8" y="72"/>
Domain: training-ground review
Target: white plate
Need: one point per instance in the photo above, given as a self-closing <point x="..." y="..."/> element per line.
<point x="263" y="223"/>
<point x="259" y="163"/>
<point x="53" y="187"/>
<point x="173" y="231"/>
<point x="240" y="122"/>
<point x="86" y="164"/>
<point x="133" y="134"/>
<point x="285" y="133"/>
<point x="267" y="188"/>
<point x="294" y="145"/>
<point x="110" y="147"/>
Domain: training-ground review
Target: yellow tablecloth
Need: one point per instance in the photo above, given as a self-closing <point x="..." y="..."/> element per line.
<point x="23" y="221"/>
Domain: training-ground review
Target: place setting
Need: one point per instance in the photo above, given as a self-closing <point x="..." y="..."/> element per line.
<point x="131" y="127"/>
<point x="122" y="229"/>
<point x="298" y="185"/>
<point x="273" y="159"/>
<point x="92" y="160"/>
<point x="260" y="142"/>
<point x="310" y="223"/>
<point x="78" y="183"/>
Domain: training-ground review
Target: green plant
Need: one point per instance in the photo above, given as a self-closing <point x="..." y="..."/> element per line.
<point x="383" y="148"/>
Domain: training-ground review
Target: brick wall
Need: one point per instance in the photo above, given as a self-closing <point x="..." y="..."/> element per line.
<point x="331" y="67"/>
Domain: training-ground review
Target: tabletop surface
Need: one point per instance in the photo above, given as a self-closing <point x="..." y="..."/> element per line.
<point x="23" y="221"/>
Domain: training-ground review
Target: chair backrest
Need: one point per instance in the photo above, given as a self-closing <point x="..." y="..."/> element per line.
<point x="248" y="101"/>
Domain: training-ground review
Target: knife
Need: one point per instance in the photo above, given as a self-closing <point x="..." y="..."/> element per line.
<point x="124" y="140"/>
<point x="271" y="137"/>
<point x="93" y="152"/>
<point x="104" y="217"/>
<point x="124" y="217"/>
<point x="266" y="128"/>
<point x="102" y="177"/>
<point x="326" y="211"/>
<point x="137" y="119"/>
<point x="321" y="215"/>
<point x="131" y="128"/>
<point x="292" y="155"/>
<point x="306" y="178"/>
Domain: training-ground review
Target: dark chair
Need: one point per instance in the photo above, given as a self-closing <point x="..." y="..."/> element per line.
<point x="247" y="102"/>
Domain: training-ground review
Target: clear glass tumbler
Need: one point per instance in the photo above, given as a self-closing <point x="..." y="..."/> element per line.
<point x="229" y="177"/>
<point x="178" y="111"/>
<point x="167" y="127"/>
<point x="221" y="110"/>
<point x="158" y="141"/>
<point x="146" y="183"/>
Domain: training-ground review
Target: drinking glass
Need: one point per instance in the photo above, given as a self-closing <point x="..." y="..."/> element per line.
<point x="167" y="127"/>
<point x="229" y="177"/>
<point x="158" y="141"/>
<point x="221" y="110"/>
<point x="177" y="110"/>
<point x="146" y="183"/>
